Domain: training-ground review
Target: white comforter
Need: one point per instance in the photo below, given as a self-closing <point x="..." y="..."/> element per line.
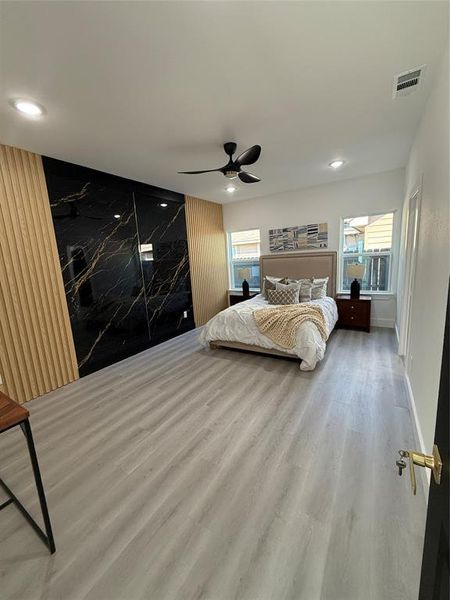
<point x="236" y="324"/>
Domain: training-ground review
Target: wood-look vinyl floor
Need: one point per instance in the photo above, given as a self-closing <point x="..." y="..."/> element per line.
<point x="183" y="473"/>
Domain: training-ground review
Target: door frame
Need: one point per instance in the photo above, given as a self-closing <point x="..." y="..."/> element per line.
<point x="409" y="275"/>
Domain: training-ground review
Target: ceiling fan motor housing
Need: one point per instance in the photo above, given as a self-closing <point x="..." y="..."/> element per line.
<point x="230" y="148"/>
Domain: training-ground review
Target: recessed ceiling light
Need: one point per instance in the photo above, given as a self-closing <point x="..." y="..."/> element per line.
<point x="336" y="164"/>
<point x="231" y="188"/>
<point x="163" y="205"/>
<point x="117" y="216"/>
<point x="28" y="107"/>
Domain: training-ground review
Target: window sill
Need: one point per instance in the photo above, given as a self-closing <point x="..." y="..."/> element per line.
<point x="239" y="291"/>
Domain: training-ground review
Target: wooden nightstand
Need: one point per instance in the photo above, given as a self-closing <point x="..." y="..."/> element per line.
<point x="354" y="314"/>
<point x="236" y="297"/>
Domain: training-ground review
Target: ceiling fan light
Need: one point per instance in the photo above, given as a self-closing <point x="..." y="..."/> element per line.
<point x="231" y="174"/>
<point x="336" y="163"/>
<point x="27" y="107"/>
<point x="230" y="189"/>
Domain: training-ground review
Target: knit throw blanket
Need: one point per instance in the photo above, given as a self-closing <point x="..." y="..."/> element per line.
<point x="280" y="324"/>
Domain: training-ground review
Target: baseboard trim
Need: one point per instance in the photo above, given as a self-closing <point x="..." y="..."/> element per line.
<point x="383" y="323"/>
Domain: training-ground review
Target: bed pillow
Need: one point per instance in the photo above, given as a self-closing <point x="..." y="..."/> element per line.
<point x="289" y="286"/>
<point x="286" y="296"/>
<point x="270" y="283"/>
<point x="303" y="279"/>
<point x="305" y="288"/>
<point x="319" y="288"/>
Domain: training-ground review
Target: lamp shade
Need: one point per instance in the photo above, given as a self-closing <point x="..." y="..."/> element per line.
<point x="244" y="273"/>
<point x="356" y="270"/>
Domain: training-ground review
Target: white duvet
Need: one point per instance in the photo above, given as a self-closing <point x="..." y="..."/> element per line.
<point x="236" y="324"/>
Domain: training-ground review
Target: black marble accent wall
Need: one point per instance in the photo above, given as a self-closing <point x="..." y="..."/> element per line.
<point x="124" y="258"/>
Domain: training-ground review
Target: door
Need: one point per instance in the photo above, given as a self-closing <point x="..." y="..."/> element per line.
<point x="434" y="583"/>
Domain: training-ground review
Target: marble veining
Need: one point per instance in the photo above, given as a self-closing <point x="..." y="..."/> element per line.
<point x="124" y="259"/>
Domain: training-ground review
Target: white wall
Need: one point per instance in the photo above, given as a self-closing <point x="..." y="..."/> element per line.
<point x="429" y="163"/>
<point x="381" y="192"/>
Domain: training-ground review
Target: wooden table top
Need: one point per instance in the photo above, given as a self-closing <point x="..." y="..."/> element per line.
<point x="11" y="413"/>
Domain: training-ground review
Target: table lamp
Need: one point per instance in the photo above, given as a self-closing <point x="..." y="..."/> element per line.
<point x="244" y="274"/>
<point x="355" y="270"/>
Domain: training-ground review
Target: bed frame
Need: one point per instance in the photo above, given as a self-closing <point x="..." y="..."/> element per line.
<point x="296" y="265"/>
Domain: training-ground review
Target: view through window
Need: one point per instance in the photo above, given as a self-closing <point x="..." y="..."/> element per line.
<point x="245" y="248"/>
<point x="368" y="241"/>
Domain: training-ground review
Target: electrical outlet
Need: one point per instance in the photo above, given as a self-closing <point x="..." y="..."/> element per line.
<point x="185" y="314"/>
<point x="1" y="380"/>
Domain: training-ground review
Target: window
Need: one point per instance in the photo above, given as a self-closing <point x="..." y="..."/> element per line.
<point x="368" y="241"/>
<point x="146" y="252"/>
<point x="244" y="248"/>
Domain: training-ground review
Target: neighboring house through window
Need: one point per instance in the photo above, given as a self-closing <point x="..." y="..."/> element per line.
<point x="244" y="252"/>
<point x="367" y="240"/>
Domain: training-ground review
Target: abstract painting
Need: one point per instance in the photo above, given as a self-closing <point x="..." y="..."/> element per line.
<point x="303" y="237"/>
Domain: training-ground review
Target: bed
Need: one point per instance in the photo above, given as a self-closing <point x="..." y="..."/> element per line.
<point x="235" y="326"/>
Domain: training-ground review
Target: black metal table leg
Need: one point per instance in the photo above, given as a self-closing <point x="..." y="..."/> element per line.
<point x="26" y="428"/>
<point x="46" y="537"/>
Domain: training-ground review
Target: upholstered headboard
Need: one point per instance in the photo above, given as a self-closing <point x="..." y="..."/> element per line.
<point x="301" y="265"/>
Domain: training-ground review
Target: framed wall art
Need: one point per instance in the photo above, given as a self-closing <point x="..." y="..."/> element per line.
<point x="302" y="237"/>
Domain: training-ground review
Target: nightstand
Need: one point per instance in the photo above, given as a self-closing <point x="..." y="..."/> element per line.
<point x="354" y="314"/>
<point x="236" y="297"/>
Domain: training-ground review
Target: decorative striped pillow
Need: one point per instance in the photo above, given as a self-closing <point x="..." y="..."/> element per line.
<point x="305" y="290"/>
<point x="287" y="296"/>
<point x="304" y="279"/>
<point x="319" y="288"/>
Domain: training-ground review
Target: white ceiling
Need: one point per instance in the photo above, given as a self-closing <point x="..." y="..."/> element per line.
<point x="146" y="89"/>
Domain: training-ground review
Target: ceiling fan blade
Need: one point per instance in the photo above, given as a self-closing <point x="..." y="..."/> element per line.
<point x="198" y="172"/>
<point x="248" y="177"/>
<point x="249" y="157"/>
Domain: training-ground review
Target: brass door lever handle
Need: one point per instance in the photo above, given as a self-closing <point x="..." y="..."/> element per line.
<point x="431" y="461"/>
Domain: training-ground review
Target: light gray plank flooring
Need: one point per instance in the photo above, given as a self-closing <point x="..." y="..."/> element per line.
<point x="181" y="473"/>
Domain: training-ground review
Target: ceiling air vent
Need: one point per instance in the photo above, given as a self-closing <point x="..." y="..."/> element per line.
<point x="406" y="83"/>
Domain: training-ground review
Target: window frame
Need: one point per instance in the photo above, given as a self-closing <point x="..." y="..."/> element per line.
<point x="231" y="286"/>
<point x="391" y="254"/>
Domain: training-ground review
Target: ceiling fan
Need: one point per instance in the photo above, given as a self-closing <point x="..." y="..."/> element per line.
<point x="233" y="168"/>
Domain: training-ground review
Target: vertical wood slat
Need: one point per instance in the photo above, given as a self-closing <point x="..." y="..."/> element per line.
<point x="207" y="258"/>
<point x="37" y="352"/>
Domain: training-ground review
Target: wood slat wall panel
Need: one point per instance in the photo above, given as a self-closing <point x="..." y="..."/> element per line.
<point x="207" y="258"/>
<point x="37" y="352"/>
